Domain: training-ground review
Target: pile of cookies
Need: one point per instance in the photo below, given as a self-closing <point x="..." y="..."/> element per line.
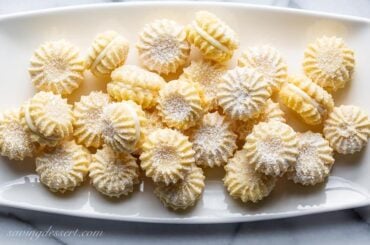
<point x="170" y="130"/>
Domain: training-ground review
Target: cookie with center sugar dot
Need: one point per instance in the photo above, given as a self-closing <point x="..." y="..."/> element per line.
<point x="213" y="141"/>
<point x="314" y="160"/>
<point x="57" y="67"/>
<point x="243" y="93"/>
<point x="64" y="167"/>
<point x="272" y="148"/>
<point x="167" y="156"/>
<point x="163" y="47"/>
<point x="15" y="140"/>
<point x="108" y="51"/>
<point x="113" y="174"/>
<point x="347" y="129"/>
<point x="180" y="104"/>
<point x="329" y="63"/>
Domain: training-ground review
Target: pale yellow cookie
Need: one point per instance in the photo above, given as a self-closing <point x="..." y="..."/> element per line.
<point x="179" y="104"/>
<point x="185" y="193"/>
<point x="63" y="168"/>
<point x="307" y="99"/>
<point x="57" y="67"/>
<point x="15" y="140"/>
<point x="88" y="114"/>
<point x="108" y="51"/>
<point x="213" y="141"/>
<point x="124" y="126"/>
<point x="271" y="112"/>
<point x="207" y="74"/>
<point x="243" y="182"/>
<point x="329" y="63"/>
<point x="215" y="40"/>
<point x="163" y="47"/>
<point x="347" y="129"/>
<point x="167" y="156"/>
<point x="49" y="118"/>
<point x="314" y="160"/>
<point x="272" y="148"/>
<point x="243" y="93"/>
<point x="131" y="82"/>
<point x="268" y="61"/>
<point x="154" y="121"/>
<point x="113" y="174"/>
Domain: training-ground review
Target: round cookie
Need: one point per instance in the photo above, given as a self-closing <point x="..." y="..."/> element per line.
<point x="179" y="104"/>
<point x="242" y="93"/>
<point x="163" y="47"/>
<point x="167" y="156"/>
<point x="213" y="141"/>
<point x="113" y="174"/>
<point x="56" y="67"/>
<point x="272" y="148"/>
<point x="329" y="63"/>
<point x="63" y="168"/>
<point x="347" y="129"/>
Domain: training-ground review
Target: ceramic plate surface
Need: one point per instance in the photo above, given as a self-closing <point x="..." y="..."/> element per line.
<point x="288" y="30"/>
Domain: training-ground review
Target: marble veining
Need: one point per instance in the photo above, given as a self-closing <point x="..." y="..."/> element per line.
<point x="342" y="227"/>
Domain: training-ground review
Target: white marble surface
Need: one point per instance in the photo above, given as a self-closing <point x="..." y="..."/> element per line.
<point x="343" y="227"/>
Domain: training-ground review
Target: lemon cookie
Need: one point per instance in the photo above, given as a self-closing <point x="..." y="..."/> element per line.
<point x="314" y="160"/>
<point x="108" y="51"/>
<point x="268" y="61"/>
<point x="113" y="174"/>
<point x="57" y="67"/>
<point x="272" y="148"/>
<point x="215" y="40"/>
<point x="243" y="93"/>
<point x="88" y="114"/>
<point x="154" y="121"/>
<point x="15" y="140"/>
<point x="184" y="193"/>
<point x="207" y="74"/>
<point x="163" y="47"/>
<point x="49" y="118"/>
<point x="243" y="182"/>
<point x="347" y="129"/>
<point x="329" y="63"/>
<point x="134" y="83"/>
<point x="124" y="126"/>
<point x="307" y="99"/>
<point x="63" y="168"/>
<point x="167" y="156"/>
<point x="179" y="104"/>
<point x="271" y="112"/>
<point x="213" y="141"/>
